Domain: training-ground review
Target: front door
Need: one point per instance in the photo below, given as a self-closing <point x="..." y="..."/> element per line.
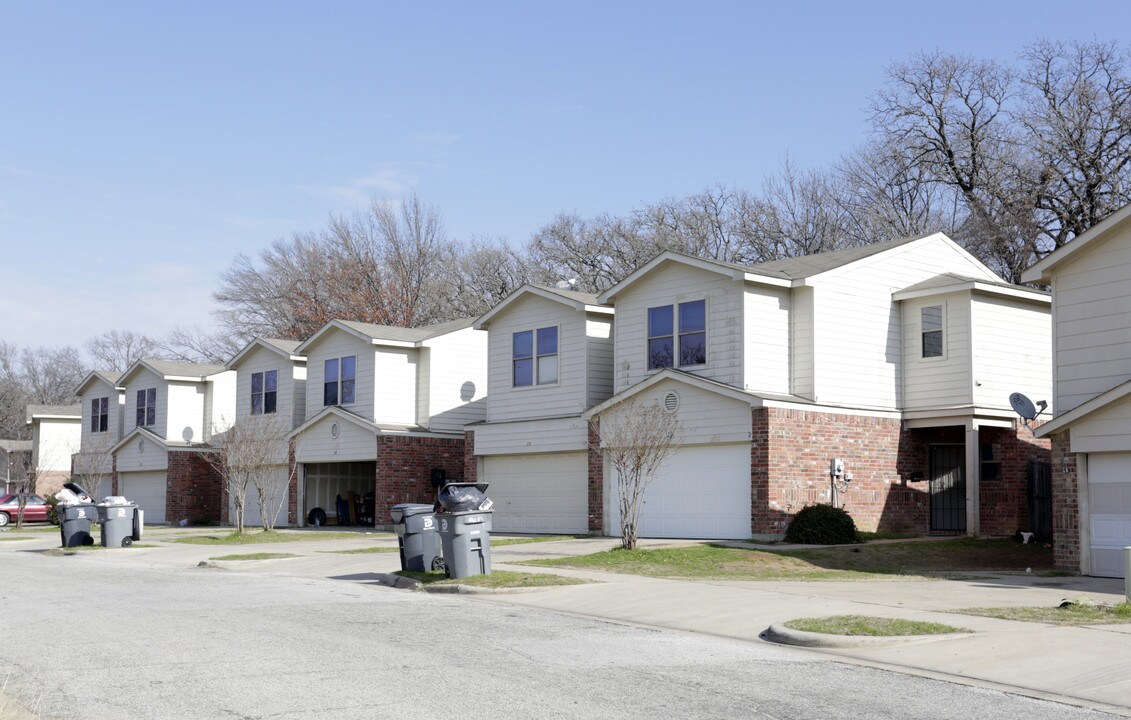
<point x="948" y="488"/>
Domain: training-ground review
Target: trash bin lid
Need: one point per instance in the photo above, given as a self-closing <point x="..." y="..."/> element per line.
<point x="409" y="509"/>
<point x="480" y="486"/>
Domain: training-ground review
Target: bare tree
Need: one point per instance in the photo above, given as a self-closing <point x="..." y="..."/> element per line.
<point x="480" y="274"/>
<point x="245" y="456"/>
<point x="118" y="349"/>
<point x="39" y="376"/>
<point x="636" y="438"/>
<point x="93" y="468"/>
<point x="195" y="345"/>
<point x="271" y="493"/>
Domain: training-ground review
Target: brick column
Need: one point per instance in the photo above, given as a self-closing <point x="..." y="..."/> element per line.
<point x="596" y="479"/>
<point x="1065" y="506"/>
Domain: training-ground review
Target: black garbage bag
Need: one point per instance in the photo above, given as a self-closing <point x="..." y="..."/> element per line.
<point x="464" y="497"/>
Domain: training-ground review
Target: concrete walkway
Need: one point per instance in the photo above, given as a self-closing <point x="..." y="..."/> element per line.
<point x="1085" y="666"/>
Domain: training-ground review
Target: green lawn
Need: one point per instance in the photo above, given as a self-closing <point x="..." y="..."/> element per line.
<point x="1074" y="613"/>
<point x="851" y="562"/>
<point x="258" y="536"/>
<point x="255" y="556"/>
<point x="864" y="625"/>
<point x="363" y="551"/>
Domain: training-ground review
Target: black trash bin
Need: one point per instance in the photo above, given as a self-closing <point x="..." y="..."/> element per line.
<point x="415" y="525"/>
<point x="74" y="523"/>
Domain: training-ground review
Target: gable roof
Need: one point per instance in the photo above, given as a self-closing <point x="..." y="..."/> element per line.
<point x="1043" y="269"/>
<point x="42" y="412"/>
<point x="387" y="334"/>
<point x="170" y="370"/>
<point x="110" y="377"/>
<point x="952" y="282"/>
<point x="164" y="443"/>
<point x="788" y="272"/>
<point x="586" y="302"/>
<point x="1107" y="399"/>
<point x="284" y="348"/>
<point x="363" y="423"/>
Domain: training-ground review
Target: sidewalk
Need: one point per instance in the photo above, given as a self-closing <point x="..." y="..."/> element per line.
<point x="1085" y="666"/>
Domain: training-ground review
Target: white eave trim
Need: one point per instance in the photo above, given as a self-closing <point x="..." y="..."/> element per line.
<point x="1081" y="411"/>
<point x="1041" y="271"/>
<point x="975" y="286"/>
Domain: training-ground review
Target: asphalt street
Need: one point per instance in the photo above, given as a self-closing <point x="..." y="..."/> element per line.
<point x="108" y="639"/>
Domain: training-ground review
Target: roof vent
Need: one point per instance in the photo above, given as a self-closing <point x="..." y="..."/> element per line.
<point x="671" y="402"/>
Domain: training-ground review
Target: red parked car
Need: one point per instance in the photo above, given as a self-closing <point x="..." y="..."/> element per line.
<point x="34" y="511"/>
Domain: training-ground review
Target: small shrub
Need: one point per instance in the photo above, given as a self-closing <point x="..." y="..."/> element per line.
<point x="51" y="502"/>
<point x="822" y="525"/>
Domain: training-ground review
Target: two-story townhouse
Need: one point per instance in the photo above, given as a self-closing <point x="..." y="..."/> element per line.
<point x="895" y="359"/>
<point x="103" y="402"/>
<point x="271" y="392"/>
<point x="385" y="412"/>
<point x="55" y="437"/>
<point x="1091" y="431"/>
<point x="550" y="357"/>
<point x="171" y="412"/>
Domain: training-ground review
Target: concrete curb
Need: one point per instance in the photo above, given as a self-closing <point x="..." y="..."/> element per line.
<point x="782" y="635"/>
<point x="403" y="583"/>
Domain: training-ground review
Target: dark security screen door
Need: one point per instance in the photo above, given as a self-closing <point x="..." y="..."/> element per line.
<point x="948" y="488"/>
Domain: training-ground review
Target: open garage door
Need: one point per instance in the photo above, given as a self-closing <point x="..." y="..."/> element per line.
<point x="542" y="493"/>
<point x="700" y="492"/>
<point x="147" y="491"/>
<point x="323" y="483"/>
<point x="1109" y="496"/>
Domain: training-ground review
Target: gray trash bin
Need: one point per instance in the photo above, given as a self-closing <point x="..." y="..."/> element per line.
<point x="117" y="523"/>
<point x="74" y="523"/>
<point x="466" y="540"/>
<point x="419" y="544"/>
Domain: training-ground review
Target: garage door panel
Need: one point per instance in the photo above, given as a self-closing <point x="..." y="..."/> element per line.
<point x="700" y="492"/>
<point x="280" y="476"/>
<point x="147" y="490"/>
<point x="1109" y="492"/>
<point x="539" y="494"/>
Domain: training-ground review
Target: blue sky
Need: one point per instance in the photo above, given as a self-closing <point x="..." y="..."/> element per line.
<point x="144" y="145"/>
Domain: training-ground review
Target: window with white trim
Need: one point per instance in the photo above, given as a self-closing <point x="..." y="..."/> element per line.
<point x="931" y="318"/>
<point x="99" y="414"/>
<point x="534" y="357"/>
<point x="677" y="333"/>
<point x="264" y="392"/>
<point x="340" y="381"/>
<point x="146" y="414"/>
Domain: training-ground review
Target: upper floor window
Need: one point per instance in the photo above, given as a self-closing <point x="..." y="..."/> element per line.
<point x="932" y="325"/>
<point x="264" y="392"/>
<point x="146" y="407"/>
<point x="340" y="381"/>
<point x="535" y="357"/>
<point x="99" y="414"/>
<point x="677" y="332"/>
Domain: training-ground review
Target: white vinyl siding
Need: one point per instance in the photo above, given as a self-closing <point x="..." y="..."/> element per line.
<point x="803" y="367"/>
<point x="56" y="441"/>
<point x="671" y="284"/>
<point x="1106" y="430"/>
<point x="858" y="331"/>
<point x="532" y="436"/>
<point x="318" y="444"/>
<point x="141" y="453"/>
<point x="568" y="395"/>
<point x="186" y="412"/>
<point x="395" y="385"/>
<point x="262" y="360"/>
<point x="767" y="320"/>
<point x="337" y="344"/>
<point x="599" y="359"/>
<point x="148" y="491"/>
<point x="219" y="403"/>
<point x="1011" y="354"/>
<point x="1092" y="298"/>
<point x="143" y="379"/>
<point x="543" y="493"/>
<point x="943" y="381"/>
<point x="455" y="376"/>
<point x="96" y="446"/>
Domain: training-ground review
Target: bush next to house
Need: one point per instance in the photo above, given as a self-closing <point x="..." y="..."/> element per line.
<point x="52" y="517"/>
<point x="822" y="525"/>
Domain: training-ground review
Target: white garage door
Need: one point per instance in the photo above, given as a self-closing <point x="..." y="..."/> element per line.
<point x="147" y="491"/>
<point x="700" y="492"/>
<point x="279" y="477"/>
<point x="1109" y="496"/>
<point x="546" y="493"/>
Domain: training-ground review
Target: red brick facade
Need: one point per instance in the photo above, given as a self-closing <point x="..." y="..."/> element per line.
<point x="470" y="462"/>
<point x="1065" y="506"/>
<point x="596" y="478"/>
<point x="789" y="469"/>
<point x="404" y="466"/>
<point x="194" y="489"/>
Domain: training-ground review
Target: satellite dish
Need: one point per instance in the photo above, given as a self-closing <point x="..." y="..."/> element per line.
<point x="1026" y="408"/>
<point x="566" y="284"/>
